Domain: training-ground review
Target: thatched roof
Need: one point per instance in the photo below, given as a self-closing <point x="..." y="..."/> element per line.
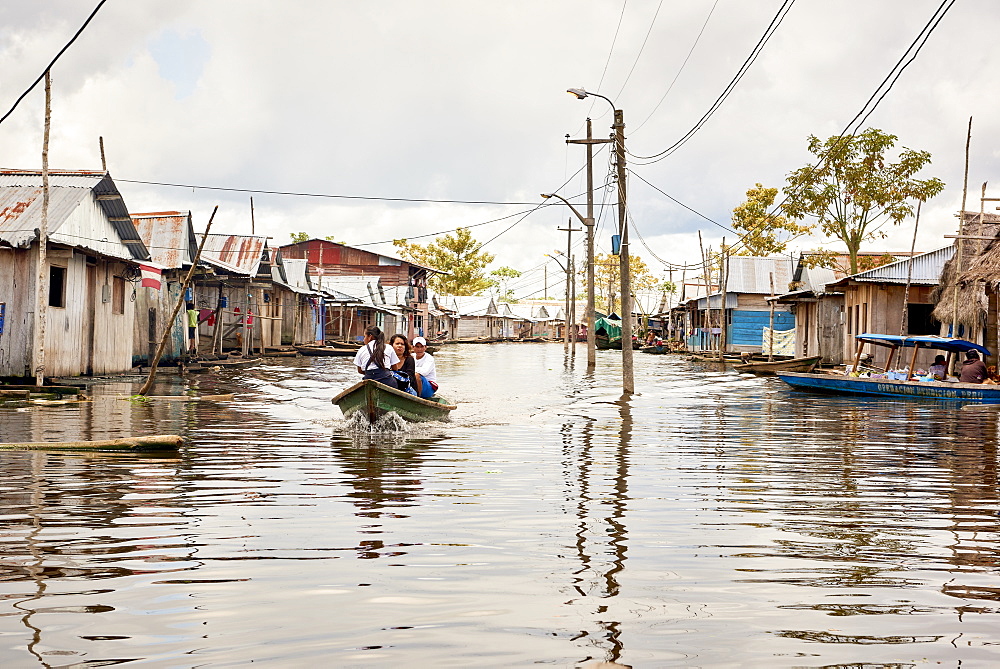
<point x="965" y="282"/>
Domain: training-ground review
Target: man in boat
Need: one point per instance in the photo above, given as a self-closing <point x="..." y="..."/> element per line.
<point x="973" y="369"/>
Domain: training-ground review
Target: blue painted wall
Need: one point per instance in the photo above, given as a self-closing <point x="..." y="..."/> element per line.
<point x="748" y="326"/>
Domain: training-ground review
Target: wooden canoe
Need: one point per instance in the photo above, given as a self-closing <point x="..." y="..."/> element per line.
<point x="326" y="351"/>
<point x="159" y="442"/>
<point x="376" y="400"/>
<point x="771" y="368"/>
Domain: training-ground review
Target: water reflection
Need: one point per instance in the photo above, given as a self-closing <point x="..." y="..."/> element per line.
<point x="550" y="522"/>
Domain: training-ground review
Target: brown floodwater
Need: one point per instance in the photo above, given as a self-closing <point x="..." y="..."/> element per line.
<point x="711" y="520"/>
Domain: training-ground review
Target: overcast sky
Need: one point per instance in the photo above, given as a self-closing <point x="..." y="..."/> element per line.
<point x="466" y="101"/>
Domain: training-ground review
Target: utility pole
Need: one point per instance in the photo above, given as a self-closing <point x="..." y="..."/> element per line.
<point x="589" y="223"/>
<point x="42" y="284"/>
<point x="628" y="377"/>
<point x="569" y="230"/>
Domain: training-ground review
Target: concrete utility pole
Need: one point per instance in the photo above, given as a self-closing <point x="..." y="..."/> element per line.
<point x="588" y="223"/>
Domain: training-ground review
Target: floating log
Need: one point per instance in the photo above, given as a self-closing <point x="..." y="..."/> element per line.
<point x="51" y="390"/>
<point x="159" y="442"/>
<point x="185" y="398"/>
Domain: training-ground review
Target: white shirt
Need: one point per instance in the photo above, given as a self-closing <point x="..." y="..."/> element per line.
<point x="363" y="358"/>
<point x="425" y="367"/>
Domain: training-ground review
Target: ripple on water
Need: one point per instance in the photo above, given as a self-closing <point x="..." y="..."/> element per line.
<point x="548" y="522"/>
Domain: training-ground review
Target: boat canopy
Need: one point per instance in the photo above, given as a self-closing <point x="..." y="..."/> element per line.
<point x="926" y="341"/>
<point x="609" y="327"/>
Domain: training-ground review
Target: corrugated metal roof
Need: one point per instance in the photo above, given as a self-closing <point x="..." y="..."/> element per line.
<point x="926" y="269"/>
<point x="750" y="274"/>
<point x="365" y="289"/>
<point x="21" y="208"/>
<point x="240" y="254"/>
<point x="168" y="235"/>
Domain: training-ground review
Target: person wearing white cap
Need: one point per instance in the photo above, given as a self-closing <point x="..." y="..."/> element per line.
<point x="426" y="369"/>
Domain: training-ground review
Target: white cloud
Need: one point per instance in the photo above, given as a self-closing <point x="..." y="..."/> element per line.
<point x="465" y="101"/>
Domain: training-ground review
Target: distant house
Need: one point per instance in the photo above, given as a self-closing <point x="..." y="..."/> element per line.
<point x="478" y="316"/>
<point x="357" y="302"/>
<point x="874" y="301"/>
<point x="745" y="310"/>
<point x="92" y="266"/>
<point x="819" y="313"/>
<point x="170" y="238"/>
<point x="328" y="259"/>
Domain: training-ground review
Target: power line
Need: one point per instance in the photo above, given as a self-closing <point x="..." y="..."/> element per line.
<point x="680" y="69"/>
<point x="641" y="49"/>
<point x="771" y="29"/>
<point x="53" y="62"/>
<point x="321" y="195"/>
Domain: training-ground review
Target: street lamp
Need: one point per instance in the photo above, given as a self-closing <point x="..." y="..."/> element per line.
<point x="588" y="223"/>
<point x="628" y="377"/>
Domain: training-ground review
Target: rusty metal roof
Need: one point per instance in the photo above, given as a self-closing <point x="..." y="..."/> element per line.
<point x="21" y="211"/>
<point x="239" y="254"/>
<point x="168" y="235"/>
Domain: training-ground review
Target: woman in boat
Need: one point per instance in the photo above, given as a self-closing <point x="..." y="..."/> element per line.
<point x="407" y="364"/>
<point x="939" y="370"/>
<point x="374" y="359"/>
<point x="425" y="367"/>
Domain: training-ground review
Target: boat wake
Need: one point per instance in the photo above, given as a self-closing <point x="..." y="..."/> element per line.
<point x="387" y="423"/>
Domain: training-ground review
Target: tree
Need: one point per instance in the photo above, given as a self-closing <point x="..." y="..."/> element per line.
<point x="504" y="275"/>
<point x="299" y="237"/>
<point x="607" y="279"/>
<point x="853" y="191"/>
<point x="759" y="227"/>
<point x="457" y="254"/>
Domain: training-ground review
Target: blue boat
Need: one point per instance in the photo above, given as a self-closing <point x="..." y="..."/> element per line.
<point x="938" y="390"/>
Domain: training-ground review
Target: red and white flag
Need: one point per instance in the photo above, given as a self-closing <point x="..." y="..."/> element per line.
<point x="150" y="276"/>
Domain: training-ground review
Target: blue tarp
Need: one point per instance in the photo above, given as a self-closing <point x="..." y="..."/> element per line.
<point x="942" y="343"/>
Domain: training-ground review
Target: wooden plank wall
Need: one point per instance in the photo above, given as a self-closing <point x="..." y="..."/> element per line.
<point x="17" y="281"/>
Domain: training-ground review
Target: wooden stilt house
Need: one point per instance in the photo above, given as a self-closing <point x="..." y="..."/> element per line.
<point x="93" y="255"/>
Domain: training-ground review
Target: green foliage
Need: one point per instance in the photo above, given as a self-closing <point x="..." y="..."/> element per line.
<point x="668" y="287"/>
<point x="504" y="275"/>
<point x="853" y="190"/>
<point x="138" y="399"/>
<point x="607" y="281"/>
<point x="456" y="253"/>
<point x="299" y="237"/>
<point x="759" y="228"/>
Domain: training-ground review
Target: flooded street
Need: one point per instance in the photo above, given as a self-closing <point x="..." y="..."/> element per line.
<point x="711" y="520"/>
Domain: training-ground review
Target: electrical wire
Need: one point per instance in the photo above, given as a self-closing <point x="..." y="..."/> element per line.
<point x="641" y="49"/>
<point x="754" y="53"/>
<point x="321" y="195"/>
<point x="680" y="69"/>
<point x="53" y="62"/>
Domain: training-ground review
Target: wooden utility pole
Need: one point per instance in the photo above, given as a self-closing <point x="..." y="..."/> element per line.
<point x="723" y="281"/>
<point x="104" y="162"/>
<point x="904" y="320"/>
<point x="169" y="323"/>
<point x="706" y="323"/>
<point x="770" y="343"/>
<point x="961" y="231"/>
<point x="252" y="222"/>
<point x="569" y="230"/>
<point x="589" y="224"/>
<point x="42" y="284"/>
